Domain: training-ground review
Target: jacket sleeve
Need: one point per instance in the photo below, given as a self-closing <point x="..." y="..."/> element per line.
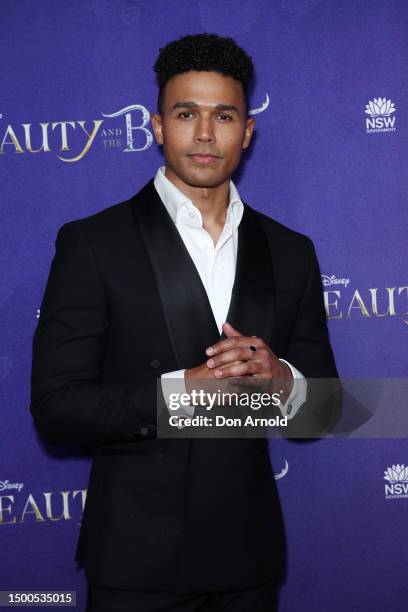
<point x="309" y="347"/>
<point x="310" y="352"/>
<point x="68" y="403"/>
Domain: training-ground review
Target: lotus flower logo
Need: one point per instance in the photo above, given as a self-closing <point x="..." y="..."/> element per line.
<point x="380" y="107"/>
<point x="396" y="473"/>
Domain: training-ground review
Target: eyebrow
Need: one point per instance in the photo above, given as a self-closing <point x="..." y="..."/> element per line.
<point x="219" y="107"/>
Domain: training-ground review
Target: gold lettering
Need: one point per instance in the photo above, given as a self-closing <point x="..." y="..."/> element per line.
<point x="64" y="139"/>
<point x="83" y="496"/>
<point x="391" y="304"/>
<point x="35" y="510"/>
<point x="44" y="147"/>
<point x="400" y="290"/>
<point x="6" y="509"/>
<point x="362" y="307"/>
<point x="327" y="304"/>
<point x="111" y="132"/>
<point x="91" y="137"/>
<point x="65" y="508"/>
<point x="14" y="141"/>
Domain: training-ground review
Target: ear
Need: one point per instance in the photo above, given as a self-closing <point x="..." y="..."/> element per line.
<point x="249" y="128"/>
<point x="157" y="127"/>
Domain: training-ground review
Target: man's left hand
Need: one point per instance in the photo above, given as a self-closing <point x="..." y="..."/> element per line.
<point x="234" y="357"/>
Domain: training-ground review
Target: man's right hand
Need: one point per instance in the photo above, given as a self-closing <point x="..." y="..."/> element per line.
<point x="202" y="378"/>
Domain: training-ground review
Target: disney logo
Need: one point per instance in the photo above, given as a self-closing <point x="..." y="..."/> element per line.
<point x="332" y="280"/>
<point x="6" y="485"/>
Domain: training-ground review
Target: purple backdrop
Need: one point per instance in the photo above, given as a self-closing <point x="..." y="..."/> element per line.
<point x="75" y="137"/>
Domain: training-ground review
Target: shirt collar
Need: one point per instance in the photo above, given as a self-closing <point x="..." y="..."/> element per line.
<point x="182" y="210"/>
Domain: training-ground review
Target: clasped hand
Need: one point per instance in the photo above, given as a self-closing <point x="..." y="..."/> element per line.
<point x="232" y="358"/>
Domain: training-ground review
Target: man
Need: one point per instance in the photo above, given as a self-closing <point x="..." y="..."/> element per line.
<point x="186" y="281"/>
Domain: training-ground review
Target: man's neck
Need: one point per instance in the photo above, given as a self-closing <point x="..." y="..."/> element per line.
<point x="212" y="202"/>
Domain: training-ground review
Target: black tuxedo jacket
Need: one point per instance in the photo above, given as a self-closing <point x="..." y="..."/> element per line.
<point x="123" y="304"/>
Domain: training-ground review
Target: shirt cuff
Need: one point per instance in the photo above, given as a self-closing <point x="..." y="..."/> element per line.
<point x="289" y="409"/>
<point x="298" y="394"/>
<point x="173" y="382"/>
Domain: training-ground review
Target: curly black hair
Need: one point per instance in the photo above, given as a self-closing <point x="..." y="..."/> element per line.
<point x="203" y="52"/>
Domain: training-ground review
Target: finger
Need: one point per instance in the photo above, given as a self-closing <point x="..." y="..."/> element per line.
<point x="233" y="342"/>
<point x="243" y="368"/>
<point x="240" y="353"/>
<point x="229" y="330"/>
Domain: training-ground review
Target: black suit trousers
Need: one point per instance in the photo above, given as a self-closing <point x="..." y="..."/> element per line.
<point x="261" y="598"/>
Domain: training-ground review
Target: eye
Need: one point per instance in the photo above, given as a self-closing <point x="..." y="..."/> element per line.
<point x="186" y="115"/>
<point x="224" y="117"/>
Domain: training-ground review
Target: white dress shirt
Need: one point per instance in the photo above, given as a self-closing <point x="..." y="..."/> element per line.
<point x="216" y="266"/>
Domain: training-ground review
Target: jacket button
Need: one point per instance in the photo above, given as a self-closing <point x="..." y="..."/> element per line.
<point x="144" y="431"/>
<point x="155" y="363"/>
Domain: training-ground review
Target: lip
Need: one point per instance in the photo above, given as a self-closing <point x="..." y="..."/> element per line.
<point x="203" y="159"/>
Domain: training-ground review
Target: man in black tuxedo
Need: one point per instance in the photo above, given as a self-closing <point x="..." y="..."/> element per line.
<point x="183" y="280"/>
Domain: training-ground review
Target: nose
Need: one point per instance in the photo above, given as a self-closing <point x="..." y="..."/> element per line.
<point x="204" y="131"/>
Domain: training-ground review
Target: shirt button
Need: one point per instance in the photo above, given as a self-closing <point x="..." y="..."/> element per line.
<point x="191" y="215"/>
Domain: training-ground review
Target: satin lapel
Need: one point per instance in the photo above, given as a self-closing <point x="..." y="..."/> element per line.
<point x="190" y="321"/>
<point x="252" y="300"/>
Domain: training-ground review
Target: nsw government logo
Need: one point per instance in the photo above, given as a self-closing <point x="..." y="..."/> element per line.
<point x="397" y="482"/>
<point x="381" y="118"/>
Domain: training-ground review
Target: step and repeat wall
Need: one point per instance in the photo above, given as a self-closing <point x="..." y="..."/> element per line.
<point x="329" y="160"/>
